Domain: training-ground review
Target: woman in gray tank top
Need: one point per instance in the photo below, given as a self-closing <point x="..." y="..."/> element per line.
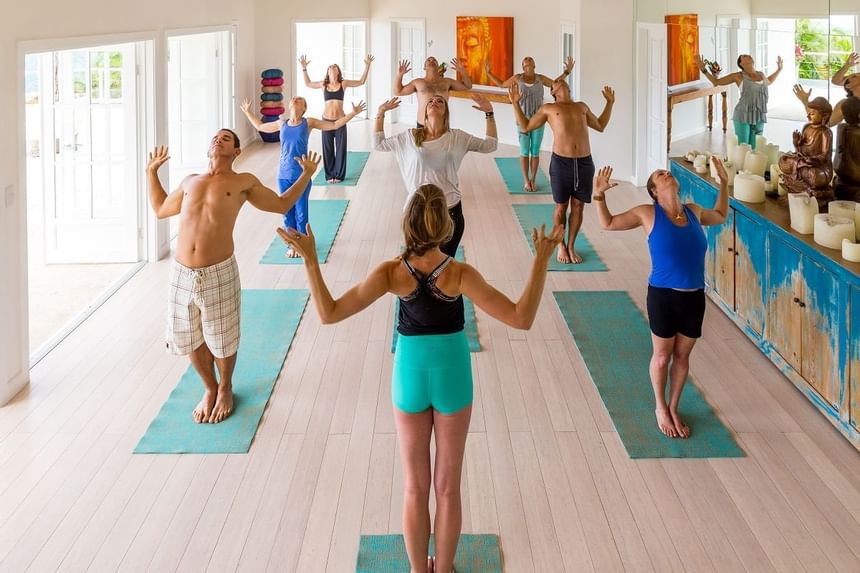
<point x="531" y="87"/>
<point x="750" y="113"/>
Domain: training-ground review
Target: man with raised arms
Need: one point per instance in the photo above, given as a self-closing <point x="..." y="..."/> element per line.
<point x="433" y="83"/>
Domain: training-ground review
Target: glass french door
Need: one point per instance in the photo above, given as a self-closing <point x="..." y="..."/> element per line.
<point x="410" y="46"/>
<point x="90" y="164"/>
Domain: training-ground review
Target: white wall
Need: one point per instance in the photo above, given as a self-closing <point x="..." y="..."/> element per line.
<point x="52" y="19"/>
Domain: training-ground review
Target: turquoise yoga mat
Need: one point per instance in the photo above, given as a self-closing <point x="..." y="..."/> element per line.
<point x="615" y="342"/>
<point x="387" y="554"/>
<point x="533" y="215"/>
<point x="325" y="217"/>
<point x="512" y="173"/>
<point x="355" y="162"/>
<point x="269" y="322"/>
<point x="468" y="309"/>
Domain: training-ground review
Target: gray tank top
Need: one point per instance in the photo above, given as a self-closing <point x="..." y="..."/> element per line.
<point x="752" y="105"/>
<point x="532" y="96"/>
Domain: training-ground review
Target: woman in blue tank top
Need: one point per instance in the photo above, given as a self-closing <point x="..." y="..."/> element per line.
<point x="295" y="131"/>
<point x="431" y="386"/>
<point x="334" y="142"/>
<point x="531" y="86"/>
<point x="676" y="295"/>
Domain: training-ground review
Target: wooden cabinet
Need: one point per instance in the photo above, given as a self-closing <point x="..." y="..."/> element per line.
<point x="750" y="252"/>
<point x="797" y="301"/>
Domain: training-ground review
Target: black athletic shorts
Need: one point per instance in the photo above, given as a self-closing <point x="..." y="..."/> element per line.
<point x="672" y="312"/>
<point x="571" y="177"/>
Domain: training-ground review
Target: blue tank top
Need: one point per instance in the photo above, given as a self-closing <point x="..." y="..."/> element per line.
<point x="677" y="253"/>
<point x="427" y="310"/>
<point x="294" y="143"/>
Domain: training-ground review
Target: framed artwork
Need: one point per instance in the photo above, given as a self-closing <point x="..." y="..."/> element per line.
<point x="683" y="45"/>
<point x="486" y="39"/>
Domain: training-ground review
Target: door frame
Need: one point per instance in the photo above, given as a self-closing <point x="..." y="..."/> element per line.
<point x="146" y="45"/>
<point x="394" y="55"/>
<point x="570" y="27"/>
<point x="640" y="145"/>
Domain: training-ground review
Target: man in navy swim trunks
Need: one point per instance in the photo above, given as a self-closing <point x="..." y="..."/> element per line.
<point x="571" y="169"/>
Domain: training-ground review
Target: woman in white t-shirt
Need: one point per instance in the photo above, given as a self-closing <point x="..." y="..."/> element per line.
<point x="433" y="153"/>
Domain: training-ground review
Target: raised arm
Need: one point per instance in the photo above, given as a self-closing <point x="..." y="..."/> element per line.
<point x="461" y="85"/>
<point x="328" y="125"/>
<point x="625" y="221"/>
<point x="163" y="204"/>
<point x="354" y="300"/>
<point x="266" y="199"/>
<point x="568" y="67"/>
<point x="732" y="78"/>
<point x="496" y="81"/>
<point x="525" y="124"/>
<point x="772" y="78"/>
<point x="399" y="89"/>
<point x="270" y="127"/>
<point x="304" y="61"/>
<point x="839" y="77"/>
<point x="360" y="81"/>
<point x="484" y="105"/>
<point x="600" y="123"/>
<point x="380" y="142"/>
<point x="717" y="215"/>
<point x="520" y="314"/>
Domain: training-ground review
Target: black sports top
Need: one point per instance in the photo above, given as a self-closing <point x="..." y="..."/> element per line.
<point x="427" y="310"/>
<point x="327" y="94"/>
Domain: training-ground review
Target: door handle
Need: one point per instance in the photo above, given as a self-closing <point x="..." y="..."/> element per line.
<point x="796" y="300"/>
<point x="801" y="304"/>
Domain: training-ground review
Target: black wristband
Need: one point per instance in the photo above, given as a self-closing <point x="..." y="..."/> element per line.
<point x="489" y="115"/>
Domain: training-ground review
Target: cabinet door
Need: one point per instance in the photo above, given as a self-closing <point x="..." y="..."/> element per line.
<point x="750" y="270"/>
<point x="724" y="259"/>
<point x="819" y="327"/>
<point x="854" y="359"/>
<point x="783" y="308"/>
<point x="704" y="195"/>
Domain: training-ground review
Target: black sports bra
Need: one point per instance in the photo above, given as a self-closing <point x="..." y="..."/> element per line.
<point x="336" y="95"/>
<point x="427" y="310"/>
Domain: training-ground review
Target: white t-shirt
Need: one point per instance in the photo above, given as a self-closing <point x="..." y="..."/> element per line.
<point x="435" y="161"/>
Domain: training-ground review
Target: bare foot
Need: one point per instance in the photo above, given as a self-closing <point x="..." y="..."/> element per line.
<point x="223" y="406"/>
<point x="574" y="258"/>
<point x="291" y="254"/>
<point x="534" y="185"/>
<point x="665" y="423"/>
<point x="204" y="407"/>
<point x="680" y="427"/>
<point x="563" y="256"/>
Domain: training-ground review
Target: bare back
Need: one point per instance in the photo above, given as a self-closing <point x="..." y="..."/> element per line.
<point x="210" y="206"/>
<point x="569" y="124"/>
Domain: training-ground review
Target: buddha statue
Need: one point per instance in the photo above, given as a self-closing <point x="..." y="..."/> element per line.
<point x="809" y="169"/>
<point x="846" y="163"/>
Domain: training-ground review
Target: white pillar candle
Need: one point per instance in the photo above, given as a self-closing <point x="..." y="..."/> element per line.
<point x="731" y="144"/>
<point x="829" y="230"/>
<point x="749" y="188"/>
<point x="802" y="209"/>
<point x="739" y="155"/>
<point x="772" y="152"/>
<point x="850" y="251"/>
<point x="760" y="142"/>
<point x="850" y="209"/>
<point x="755" y="162"/>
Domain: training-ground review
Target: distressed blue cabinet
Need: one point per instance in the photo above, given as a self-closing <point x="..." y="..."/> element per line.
<point x="797" y="301"/>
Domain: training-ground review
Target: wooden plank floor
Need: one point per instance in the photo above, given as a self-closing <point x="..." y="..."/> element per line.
<point x="544" y="467"/>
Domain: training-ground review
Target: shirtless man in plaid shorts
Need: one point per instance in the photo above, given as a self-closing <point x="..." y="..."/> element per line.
<point x="204" y="292"/>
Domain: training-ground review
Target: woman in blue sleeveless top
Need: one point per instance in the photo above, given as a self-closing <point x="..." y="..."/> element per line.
<point x="295" y="132"/>
<point x="676" y="295"/>
<point x="750" y="112"/>
<point x="333" y="87"/>
<point x="431" y="386"/>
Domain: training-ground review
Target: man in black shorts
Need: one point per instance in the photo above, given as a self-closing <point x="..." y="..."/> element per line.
<point x="571" y="169"/>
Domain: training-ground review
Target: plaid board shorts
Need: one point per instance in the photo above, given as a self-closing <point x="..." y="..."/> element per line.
<point x="203" y="306"/>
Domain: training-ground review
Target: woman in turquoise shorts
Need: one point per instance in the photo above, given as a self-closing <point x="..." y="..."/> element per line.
<point x="531" y="87"/>
<point x="431" y="386"/>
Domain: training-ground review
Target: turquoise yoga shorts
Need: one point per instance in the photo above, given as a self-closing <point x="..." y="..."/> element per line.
<point x="432" y="371"/>
<point x="530" y="142"/>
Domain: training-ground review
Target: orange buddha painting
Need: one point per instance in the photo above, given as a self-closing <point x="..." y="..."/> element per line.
<point x="683" y="32"/>
<point x="485" y="39"/>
